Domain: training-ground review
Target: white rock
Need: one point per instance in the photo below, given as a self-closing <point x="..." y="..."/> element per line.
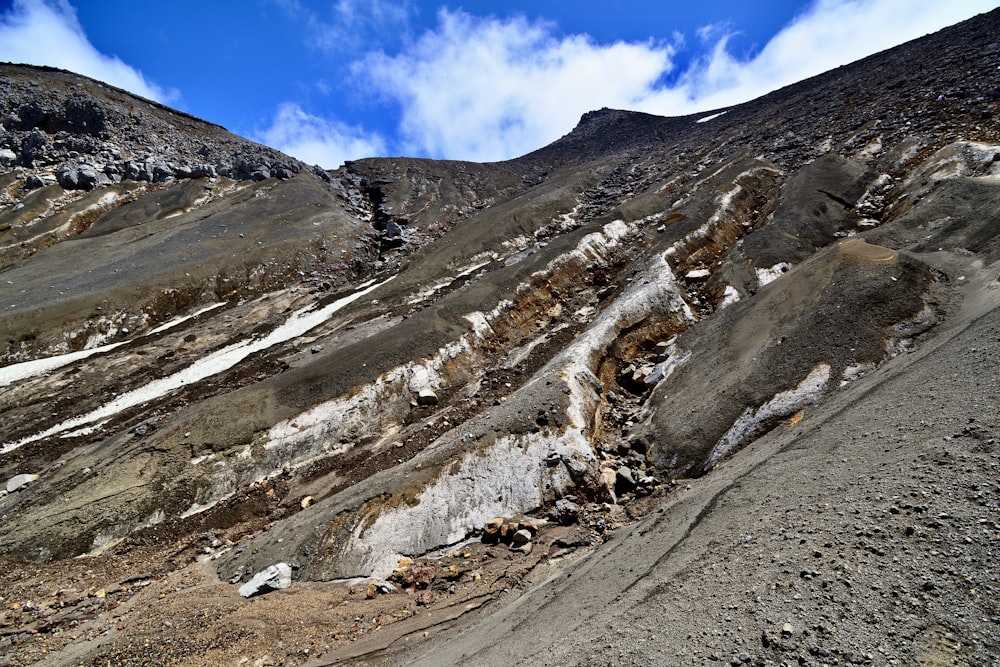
<point x="698" y="274"/>
<point x="17" y="481"/>
<point x="272" y="578"/>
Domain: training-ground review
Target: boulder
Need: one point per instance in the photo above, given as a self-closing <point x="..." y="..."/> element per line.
<point x="426" y="397"/>
<point x="203" y="170"/>
<point x="269" y="579"/>
<point x="34" y="147"/>
<point x="68" y="177"/>
<point x="566" y="511"/>
<point x="624" y="480"/>
<point x="17" y="481"/>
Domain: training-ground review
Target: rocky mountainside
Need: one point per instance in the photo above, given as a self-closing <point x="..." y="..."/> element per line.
<point x="717" y="388"/>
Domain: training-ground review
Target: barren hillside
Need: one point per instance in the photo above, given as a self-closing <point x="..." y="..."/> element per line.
<point x="709" y="389"/>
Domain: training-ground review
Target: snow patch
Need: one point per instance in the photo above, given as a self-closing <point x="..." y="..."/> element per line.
<point x="705" y="119"/>
<point x="765" y="276"/>
<point x="666" y="368"/>
<point x="221" y="360"/>
<point x="783" y="404"/>
<point x="729" y="296"/>
<point x="503" y="479"/>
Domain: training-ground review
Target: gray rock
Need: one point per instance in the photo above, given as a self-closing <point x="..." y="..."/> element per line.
<point x="384" y="587"/>
<point x="68" y="177"/>
<point x="36" y="181"/>
<point x="269" y="579"/>
<point x="566" y="511"/>
<point x="34" y="147"/>
<point x="624" y="481"/>
<point x="162" y="170"/>
<point x="17" y="481"/>
<point x="87" y="177"/>
<point x="522" y="536"/>
<point x="136" y="170"/>
<point x="203" y="171"/>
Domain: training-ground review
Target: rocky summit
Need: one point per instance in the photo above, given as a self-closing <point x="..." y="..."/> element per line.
<point x="714" y="389"/>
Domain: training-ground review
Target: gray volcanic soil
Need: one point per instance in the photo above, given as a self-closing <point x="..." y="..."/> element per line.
<point x="661" y="392"/>
<point x="864" y="534"/>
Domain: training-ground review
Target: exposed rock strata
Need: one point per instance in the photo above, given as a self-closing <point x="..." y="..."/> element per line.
<point x="391" y="370"/>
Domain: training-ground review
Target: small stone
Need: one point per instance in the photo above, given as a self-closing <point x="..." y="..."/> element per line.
<point x="522" y="536"/>
<point x="787" y="629"/>
<point x="566" y="511"/>
<point x="307" y="501"/>
<point x="426" y="397"/>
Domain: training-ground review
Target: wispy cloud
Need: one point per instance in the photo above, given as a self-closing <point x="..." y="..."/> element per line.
<point x="317" y="140"/>
<point x="47" y="32"/>
<point x="490" y="88"/>
<point x="348" y="25"/>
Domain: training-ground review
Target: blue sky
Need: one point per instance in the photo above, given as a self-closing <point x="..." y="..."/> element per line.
<point x="341" y="79"/>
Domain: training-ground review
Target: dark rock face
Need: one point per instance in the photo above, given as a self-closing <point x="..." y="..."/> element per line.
<point x="761" y="347"/>
<point x="48" y="123"/>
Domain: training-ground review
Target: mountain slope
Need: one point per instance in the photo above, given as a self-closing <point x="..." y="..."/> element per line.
<point x="672" y="383"/>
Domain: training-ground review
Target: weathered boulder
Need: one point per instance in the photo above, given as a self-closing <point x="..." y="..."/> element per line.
<point x="273" y="578"/>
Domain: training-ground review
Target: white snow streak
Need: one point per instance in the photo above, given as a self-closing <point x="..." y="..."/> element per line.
<point x="708" y="118"/>
<point x="297" y="324"/>
<point x="24" y="370"/>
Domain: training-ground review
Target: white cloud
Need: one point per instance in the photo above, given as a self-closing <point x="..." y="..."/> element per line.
<point x="485" y="89"/>
<point x="317" y="140"/>
<point x="47" y="32"/>
<point x="828" y="34"/>
<point x="488" y="89"/>
<point x="352" y="23"/>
